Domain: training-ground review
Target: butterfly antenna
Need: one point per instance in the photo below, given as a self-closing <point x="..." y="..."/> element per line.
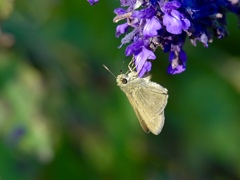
<point x="122" y="65"/>
<point x="109" y="70"/>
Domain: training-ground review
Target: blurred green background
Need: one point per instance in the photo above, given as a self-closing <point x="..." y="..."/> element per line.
<point x="63" y="117"/>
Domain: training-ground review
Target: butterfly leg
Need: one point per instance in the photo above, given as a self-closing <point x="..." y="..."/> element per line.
<point x="131" y="65"/>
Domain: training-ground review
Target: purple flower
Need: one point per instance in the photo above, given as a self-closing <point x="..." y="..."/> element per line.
<point x="121" y="29"/>
<point x="177" y="62"/>
<point x="147" y="13"/>
<point x="173" y="19"/>
<point x="151" y="27"/>
<point x="146" y="68"/>
<point x="203" y="38"/>
<point x="134" y="48"/>
<point x="93" y="2"/>
<point x="140" y="60"/>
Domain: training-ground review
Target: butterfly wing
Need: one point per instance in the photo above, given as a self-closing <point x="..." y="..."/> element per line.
<point x="140" y="119"/>
<point x="151" y="101"/>
<point x="147" y="98"/>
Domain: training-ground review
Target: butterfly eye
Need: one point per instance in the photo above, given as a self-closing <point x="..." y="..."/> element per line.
<point x="124" y="80"/>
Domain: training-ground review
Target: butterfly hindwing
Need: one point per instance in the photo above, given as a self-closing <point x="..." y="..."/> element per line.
<point x="151" y="101"/>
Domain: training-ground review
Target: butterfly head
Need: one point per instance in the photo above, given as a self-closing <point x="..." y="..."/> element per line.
<point x="122" y="79"/>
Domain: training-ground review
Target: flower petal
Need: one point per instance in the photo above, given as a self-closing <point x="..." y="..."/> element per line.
<point x="121" y="29"/>
<point x="141" y="58"/>
<point x="93" y="2"/>
<point x="146" y="68"/>
<point x="151" y="27"/>
<point x="173" y="23"/>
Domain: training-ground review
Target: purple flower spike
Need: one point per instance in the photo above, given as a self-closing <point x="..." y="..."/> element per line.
<point x="141" y="63"/>
<point x="173" y="19"/>
<point x="93" y="2"/>
<point x="151" y="27"/>
<point x="177" y="62"/>
<point x="166" y="24"/>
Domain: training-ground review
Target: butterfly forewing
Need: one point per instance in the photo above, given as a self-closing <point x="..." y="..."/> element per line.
<point x="140" y="119"/>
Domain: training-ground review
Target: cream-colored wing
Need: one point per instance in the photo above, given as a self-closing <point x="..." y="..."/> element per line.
<point x="151" y="101"/>
<point x="140" y="119"/>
